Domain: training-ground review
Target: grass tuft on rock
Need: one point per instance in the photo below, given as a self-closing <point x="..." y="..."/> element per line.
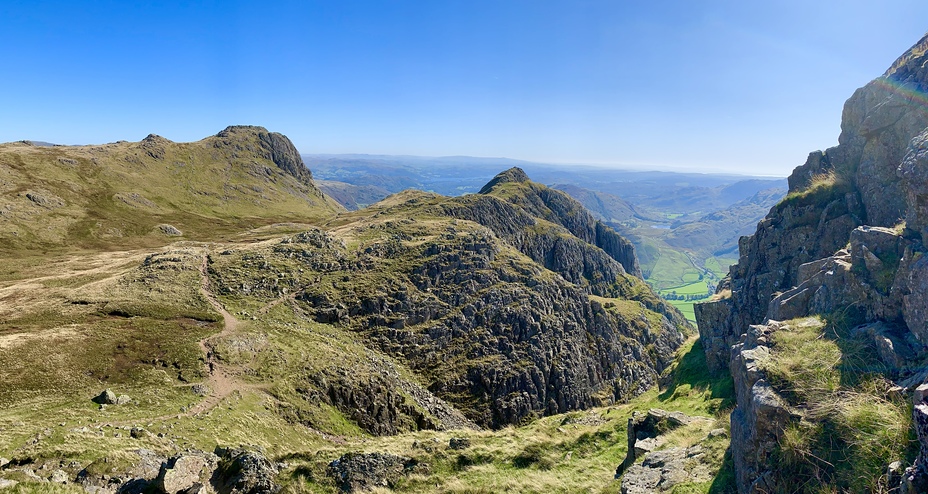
<point x="850" y="429"/>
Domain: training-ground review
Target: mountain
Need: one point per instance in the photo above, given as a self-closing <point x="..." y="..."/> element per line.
<point x="822" y="322"/>
<point x="146" y="193"/>
<point x="682" y="192"/>
<point x="276" y="336"/>
<point x="717" y="233"/>
<point x="606" y="207"/>
<point x="351" y="196"/>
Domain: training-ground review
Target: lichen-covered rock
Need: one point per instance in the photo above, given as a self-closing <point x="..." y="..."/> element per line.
<point x="245" y="472"/>
<point x="662" y="470"/>
<point x="760" y="416"/>
<point x="184" y="472"/>
<point x="364" y="471"/>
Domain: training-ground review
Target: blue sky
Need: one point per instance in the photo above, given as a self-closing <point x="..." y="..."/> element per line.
<point x="741" y="86"/>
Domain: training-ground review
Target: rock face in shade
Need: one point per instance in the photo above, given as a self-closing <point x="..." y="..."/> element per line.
<point x="835" y="243"/>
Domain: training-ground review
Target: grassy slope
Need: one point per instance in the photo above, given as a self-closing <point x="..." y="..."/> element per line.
<point x="133" y="322"/>
<point x="137" y="323"/>
<point x="115" y="195"/>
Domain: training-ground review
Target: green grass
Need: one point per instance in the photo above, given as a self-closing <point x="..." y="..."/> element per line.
<point x="686" y="306"/>
<point x="850" y="430"/>
<point x="719" y="265"/>
<point x="573" y="452"/>
<point x="115" y="195"/>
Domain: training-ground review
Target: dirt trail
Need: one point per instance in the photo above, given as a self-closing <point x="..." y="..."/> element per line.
<point x="221" y="380"/>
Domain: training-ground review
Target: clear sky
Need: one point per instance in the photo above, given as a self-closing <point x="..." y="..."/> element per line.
<point x="744" y="86"/>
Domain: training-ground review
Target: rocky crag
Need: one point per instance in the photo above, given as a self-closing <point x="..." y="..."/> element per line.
<point x="847" y="244"/>
<point x="504" y="314"/>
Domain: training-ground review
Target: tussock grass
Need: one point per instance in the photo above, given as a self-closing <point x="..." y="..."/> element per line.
<point x="850" y="430"/>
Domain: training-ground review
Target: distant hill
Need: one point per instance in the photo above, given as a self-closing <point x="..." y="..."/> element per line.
<point x="351" y="196"/>
<point x="607" y="207"/>
<point x="153" y="191"/>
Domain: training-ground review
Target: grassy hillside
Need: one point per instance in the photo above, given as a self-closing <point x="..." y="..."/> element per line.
<point x="120" y="194"/>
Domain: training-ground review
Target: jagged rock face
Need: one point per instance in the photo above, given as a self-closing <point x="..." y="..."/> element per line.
<point x="878" y="124"/>
<point x="833" y="246"/>
<point x="559" y="208"/>
<point x="914" y="172"/>
<point x="496" y="309"/>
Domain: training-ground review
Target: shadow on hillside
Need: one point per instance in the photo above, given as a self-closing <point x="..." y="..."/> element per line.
<point x="691" y="370"/>
<point x="724" y="482"/>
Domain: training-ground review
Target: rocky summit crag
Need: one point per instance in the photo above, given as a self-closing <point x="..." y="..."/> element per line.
<point x="161" y="300"/>
<point x="847" y="246"/>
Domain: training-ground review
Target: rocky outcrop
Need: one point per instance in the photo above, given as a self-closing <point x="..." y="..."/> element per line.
<point x="521" y="342"/>
<point x="837" y="190"/>
<point x="489" y="304"/>
<point x="559" y="208"/>
<point x="716" y="332"/>
<point x="644" y="429"/>
<point x="273" y="146"/>
<point x="355" y="472"/>
<point x="558" y="249"/>
<point x="663" y="470"/>
<point x="761" y="414"/>
<point x="241" y="471"/>
<point x="183" y="473"/>
<point x="662" y="467"/>
<point x="834" y="245"/>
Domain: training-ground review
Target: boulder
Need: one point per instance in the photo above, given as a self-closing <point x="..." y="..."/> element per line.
<point x="364" y="471"/>
<point x="662" y="470"/>
<point x="170" y="230"/>
<point x="59" y="476"/>
<point x="459" y="443"/>
<point x="245" y="472"/>
<point x="185" y="472"/>
<point x="107" y="397"/>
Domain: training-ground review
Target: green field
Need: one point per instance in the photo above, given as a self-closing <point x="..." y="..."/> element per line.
<point x="686" y="306"/>
<point x="719" y="265"/>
